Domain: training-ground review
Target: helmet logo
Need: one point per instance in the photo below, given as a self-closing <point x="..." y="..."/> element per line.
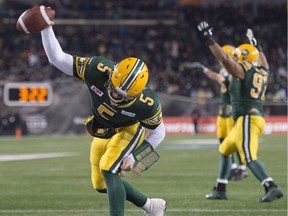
<point x="245" y="52"/>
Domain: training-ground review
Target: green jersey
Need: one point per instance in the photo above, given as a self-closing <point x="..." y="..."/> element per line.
<point x="225" y="103"/>
<point x="145" y="108"/>
<point x="248" y="93"/>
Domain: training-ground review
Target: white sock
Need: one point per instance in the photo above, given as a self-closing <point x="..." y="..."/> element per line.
<point x="147" y="205"/>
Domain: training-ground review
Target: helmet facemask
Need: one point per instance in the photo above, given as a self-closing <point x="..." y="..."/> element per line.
<point x="116" y="97"/>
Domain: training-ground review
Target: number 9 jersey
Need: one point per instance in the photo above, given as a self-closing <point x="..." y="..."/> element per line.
<point x="250" y="92"/>
<point x="145" y="108"/>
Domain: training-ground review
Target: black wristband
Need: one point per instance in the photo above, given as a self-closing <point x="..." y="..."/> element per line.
<point x="210" y="41"/>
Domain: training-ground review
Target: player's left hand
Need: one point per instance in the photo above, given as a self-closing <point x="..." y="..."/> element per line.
<point x="206" y="32"/>
<point x="251" y="37"/>
<point x="127" y="165"/>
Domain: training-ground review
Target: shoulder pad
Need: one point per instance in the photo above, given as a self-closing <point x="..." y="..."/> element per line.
<point x="246" y="65"/>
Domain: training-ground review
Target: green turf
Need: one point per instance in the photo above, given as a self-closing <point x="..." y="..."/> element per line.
<point x="61" y="186"/>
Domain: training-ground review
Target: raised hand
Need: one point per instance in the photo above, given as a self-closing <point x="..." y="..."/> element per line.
<point x="253" y="40"/>
<point x="206" y="32"/>
<point x="251" y="37"/>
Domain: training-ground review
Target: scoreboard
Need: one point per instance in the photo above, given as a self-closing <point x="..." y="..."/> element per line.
<point x="27" y="94"/>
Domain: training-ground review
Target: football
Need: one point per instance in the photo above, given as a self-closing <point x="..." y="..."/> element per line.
<point x="35" y="19"/>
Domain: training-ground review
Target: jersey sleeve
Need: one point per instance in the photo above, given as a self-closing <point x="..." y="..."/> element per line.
<point x="89" y="68"/>
<point x="153" y="121"/>
<point x="153" y="115"/>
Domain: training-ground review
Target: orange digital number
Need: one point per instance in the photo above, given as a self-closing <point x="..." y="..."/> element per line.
<point x="23" y="94"/>
<point x="33" y="93"/>
<point x="42" y="95"/>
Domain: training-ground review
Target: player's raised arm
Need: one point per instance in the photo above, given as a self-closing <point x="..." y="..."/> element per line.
<point x="229" y="63"/>
<point x="54" y="52"/>
<point x="40" y="19"/>
<point x="262" y="61"/>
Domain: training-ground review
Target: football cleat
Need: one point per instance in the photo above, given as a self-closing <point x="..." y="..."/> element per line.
<point x="233" y="174"/>
<point x="271" y="195"/>
<point x="217" y="195"/>
<point x="238" y="174"/>
<point x="242" y="174"/>
<point x="155" y="207"/>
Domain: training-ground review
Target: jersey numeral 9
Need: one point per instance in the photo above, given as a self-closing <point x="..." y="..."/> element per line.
<point x="258" y="81"/>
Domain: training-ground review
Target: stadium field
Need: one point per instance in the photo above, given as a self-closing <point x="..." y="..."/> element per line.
<point x="51" y="176"/>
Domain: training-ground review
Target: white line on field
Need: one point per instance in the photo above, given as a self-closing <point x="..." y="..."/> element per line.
<point x="136" y="210"/>
<point x="17" y="157"/>
<point x="196" y="141"/>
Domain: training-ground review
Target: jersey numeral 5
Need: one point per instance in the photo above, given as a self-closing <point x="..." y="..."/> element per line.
<point x="104" y="112"/>
<point x="147" y="100"/>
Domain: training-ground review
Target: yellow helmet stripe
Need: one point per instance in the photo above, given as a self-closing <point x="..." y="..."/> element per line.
<point x="132" y="75"/>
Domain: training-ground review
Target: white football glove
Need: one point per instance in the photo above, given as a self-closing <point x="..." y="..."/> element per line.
<point x="251" y="37"/>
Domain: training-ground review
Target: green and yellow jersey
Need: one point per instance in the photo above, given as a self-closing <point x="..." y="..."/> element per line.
<point x="225" y="103"/>
<point x="145" y="108"/>
<point x="249" y="93"/>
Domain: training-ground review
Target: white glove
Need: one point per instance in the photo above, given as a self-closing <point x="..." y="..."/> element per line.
<point x="251" y="37"/>
<point x="253" y="40"/>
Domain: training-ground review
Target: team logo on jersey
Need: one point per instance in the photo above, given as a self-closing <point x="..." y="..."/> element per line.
<point x="82" y="61"/>
<point x="81" y="64"/>
<point x="130" y="114"/>
<point x="155" y="120"/>
<point x="96" y="90"/>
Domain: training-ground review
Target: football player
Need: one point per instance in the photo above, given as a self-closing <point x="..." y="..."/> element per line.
<point x="247" y="89"/>
<point x="224" y="118"/>
<point x="123" y="107"/>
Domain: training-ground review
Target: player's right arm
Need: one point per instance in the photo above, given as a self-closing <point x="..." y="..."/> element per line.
<point x="229" y="63"/>
<point x="54" y="52"/>
<point x="213" y="75"/>
<point x="209" y="73"/>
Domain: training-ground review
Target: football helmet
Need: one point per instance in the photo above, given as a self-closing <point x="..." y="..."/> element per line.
<point x="247" y="52"/>
<point x="229" y="49"/>
<point x="127" y="80"/>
